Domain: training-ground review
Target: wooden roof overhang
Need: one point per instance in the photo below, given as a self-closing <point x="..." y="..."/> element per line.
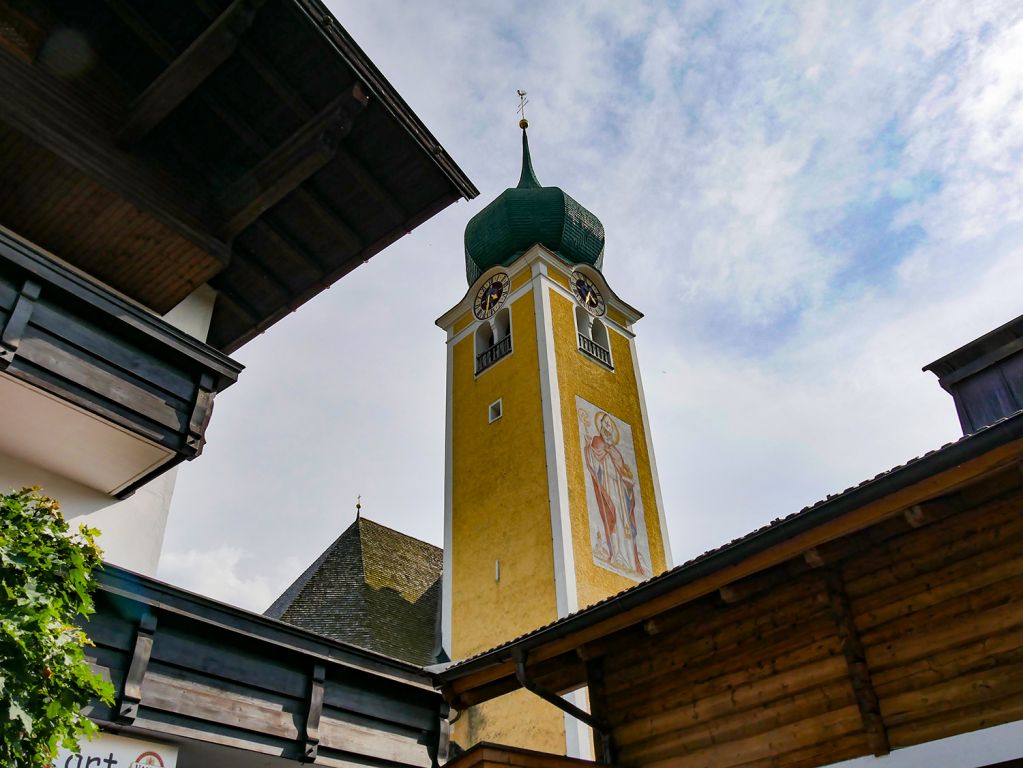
<point x="95" y="387"/>
<point x="249" y="144"/>
<point x="885" y="616"/>
<point x="189" y="668"/>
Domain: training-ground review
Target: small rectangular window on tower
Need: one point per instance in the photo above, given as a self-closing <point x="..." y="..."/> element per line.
<point x="495" y="412"/>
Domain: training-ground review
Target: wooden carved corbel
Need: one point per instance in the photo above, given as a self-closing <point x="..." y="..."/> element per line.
<point x="10" y="336"/>
<point x="131" y="697"/>
<point x="313" y="713"/>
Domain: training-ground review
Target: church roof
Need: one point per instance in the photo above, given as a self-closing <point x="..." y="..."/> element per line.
<point x="374" y="587"/>
<point x="528" y="214"/>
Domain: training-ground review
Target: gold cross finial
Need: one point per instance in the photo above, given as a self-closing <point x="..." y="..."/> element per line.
<point x="523" y="101"/>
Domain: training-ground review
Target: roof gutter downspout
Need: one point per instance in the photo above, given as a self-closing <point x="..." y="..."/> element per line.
<point x="600" y="728"/>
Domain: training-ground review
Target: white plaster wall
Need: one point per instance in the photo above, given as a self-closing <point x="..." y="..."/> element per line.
<point x="132" y="530"/>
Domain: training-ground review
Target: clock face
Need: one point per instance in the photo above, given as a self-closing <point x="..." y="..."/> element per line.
<point x="491" y="295"/>
<point x="588" y="294"/>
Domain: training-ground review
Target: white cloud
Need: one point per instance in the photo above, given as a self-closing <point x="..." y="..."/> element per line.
<point x="715" y="143"/>
<point x="228" y="574"/>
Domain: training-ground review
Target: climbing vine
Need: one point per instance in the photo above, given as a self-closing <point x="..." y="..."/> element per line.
<point x="46" y="583"/>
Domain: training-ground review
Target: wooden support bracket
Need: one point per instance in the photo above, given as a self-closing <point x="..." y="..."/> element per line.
<point x="188" y="71"/>
<point x="131" y="696"/>
<point x="17" y="322"/>
<point x="300" y="156"/>
<point x="200" y="418"/>
<point x="313" y="713"/>
<point x="603" y="739"/>
<point x="856" y="661"/>
<point x="443" y="750"/>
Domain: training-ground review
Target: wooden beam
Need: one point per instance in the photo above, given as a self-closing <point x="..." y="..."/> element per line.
<point x="188" y="71"/>
<point x="57" y="116"/>
<point x="856" y="661"/>
<point x="369" y="183"/>
<point x="324" y="214"/>
<point x="769" y="580"/>
<point x="300" y="156"/>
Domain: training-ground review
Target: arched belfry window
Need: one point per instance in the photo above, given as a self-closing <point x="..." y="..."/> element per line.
<point x="598" y="332"/>
<point x="502" y="324"/>
<point x="484" y="337"/>
<point x="584" y="322"/>
<point x="493" y="340"/>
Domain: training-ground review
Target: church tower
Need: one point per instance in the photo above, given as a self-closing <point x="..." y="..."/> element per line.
<point x="551" y="494"/>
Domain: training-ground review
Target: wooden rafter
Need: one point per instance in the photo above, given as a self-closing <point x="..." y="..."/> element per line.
<point x="300" y="156"/>
<point x="59" y="118"/>
<point x="373" y="188"/>
<point x="288" y="95"/>
<point x="188" y="71"/>
<point x="856" y="661"/>
<point x="325" y="216"/>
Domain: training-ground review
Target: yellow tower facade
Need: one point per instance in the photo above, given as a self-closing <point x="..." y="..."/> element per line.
<point x="551" y="494"/>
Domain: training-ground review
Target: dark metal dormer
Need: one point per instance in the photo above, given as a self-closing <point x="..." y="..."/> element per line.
<point x="985" y="377"/>
<point x="95" y="387"/>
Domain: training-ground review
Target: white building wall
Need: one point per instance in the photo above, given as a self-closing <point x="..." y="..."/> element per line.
<point x="132" y="530"/>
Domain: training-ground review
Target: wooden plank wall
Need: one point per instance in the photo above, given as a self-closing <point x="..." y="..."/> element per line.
<point x="904" y="633"/>
<point x="211" y="682"/>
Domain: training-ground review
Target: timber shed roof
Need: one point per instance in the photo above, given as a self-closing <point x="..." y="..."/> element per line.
<point x="374" y="587"/>
<point x="493" y="670"/>
<point x="248" y="144"/>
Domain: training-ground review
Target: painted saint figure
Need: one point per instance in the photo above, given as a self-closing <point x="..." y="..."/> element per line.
<point x="614" y="486"/>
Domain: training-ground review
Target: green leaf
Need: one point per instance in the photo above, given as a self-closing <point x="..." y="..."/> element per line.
<point x="17" y="713"/>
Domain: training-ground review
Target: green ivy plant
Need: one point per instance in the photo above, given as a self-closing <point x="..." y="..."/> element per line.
<point x="46" y="583"/>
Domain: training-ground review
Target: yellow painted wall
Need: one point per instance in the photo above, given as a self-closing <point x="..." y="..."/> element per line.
<point x="615" y="392"/>
<point x="617" y="316"/>
<point x="520" y="278"/>
<point x="462" y="322"/>
<point x="560" y="278"/>
<point x="518" y="719"/>
<point x="500" y="511"/>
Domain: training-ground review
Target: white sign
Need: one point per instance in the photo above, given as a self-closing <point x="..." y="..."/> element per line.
<point x="109" y="751"/>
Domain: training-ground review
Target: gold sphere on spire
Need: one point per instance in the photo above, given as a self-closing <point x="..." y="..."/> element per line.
<point x="523" y="123"/>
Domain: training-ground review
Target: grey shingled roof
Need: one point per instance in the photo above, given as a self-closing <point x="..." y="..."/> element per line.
<point x="374" y="587"/>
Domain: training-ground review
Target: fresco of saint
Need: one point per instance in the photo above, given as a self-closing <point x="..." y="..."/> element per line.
<point x="617" y="528"/>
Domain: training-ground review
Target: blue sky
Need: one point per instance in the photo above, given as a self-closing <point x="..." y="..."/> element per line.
<point x="809" y="202"/>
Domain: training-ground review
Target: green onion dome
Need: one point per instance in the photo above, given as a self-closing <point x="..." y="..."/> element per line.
<point x="530" y="214"/>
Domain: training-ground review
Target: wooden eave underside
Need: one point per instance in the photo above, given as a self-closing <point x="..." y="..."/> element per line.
<point x="248" y="144"/>
<point x="898" y="623"/>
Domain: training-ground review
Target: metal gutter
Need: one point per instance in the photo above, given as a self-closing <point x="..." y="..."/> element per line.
<point x="970" y="447"/>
